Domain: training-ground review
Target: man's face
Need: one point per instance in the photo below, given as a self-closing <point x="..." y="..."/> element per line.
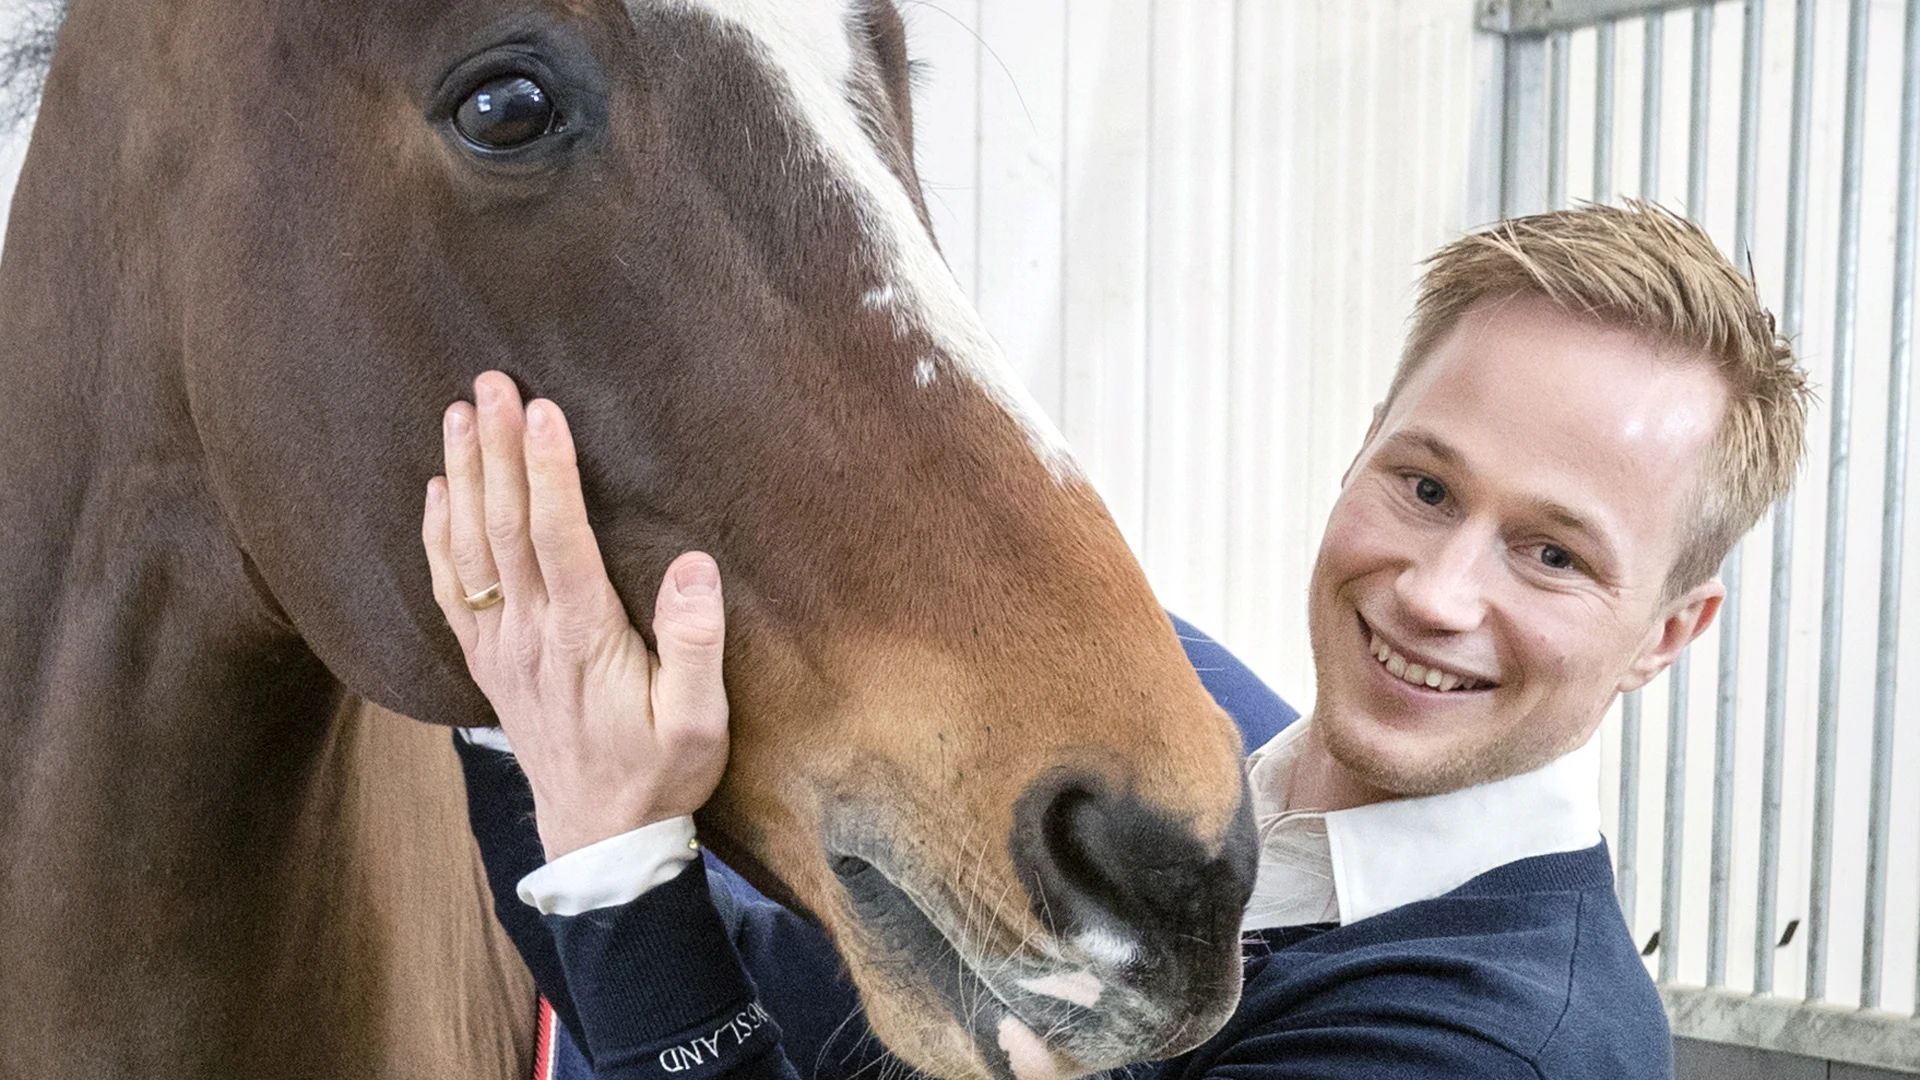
<point x="1502" y="541"/>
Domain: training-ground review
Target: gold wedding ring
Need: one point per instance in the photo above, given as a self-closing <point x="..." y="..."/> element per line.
<point x="484" y="599"/>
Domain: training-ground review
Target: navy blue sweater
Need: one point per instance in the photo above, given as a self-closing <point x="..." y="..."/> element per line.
<point x="1525" y="971"/>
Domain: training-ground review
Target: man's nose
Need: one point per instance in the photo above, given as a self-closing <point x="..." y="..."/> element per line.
<point x="1444" y="587"/>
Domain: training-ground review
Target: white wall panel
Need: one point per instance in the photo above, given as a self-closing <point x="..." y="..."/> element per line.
<point x="1018" y="283"/>
<point x="1189" y="245"/>
<point x="1108" y="53"/>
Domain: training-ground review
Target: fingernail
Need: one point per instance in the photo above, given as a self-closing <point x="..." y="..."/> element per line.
<point x="456" y="422"/>
<point x="435" y="492"/>
<point x="696" y="577"/>
<point x="537" y="418"/>
<point x="483" y="392"/>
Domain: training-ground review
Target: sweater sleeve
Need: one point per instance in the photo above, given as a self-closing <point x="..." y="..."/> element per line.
<point x="1365" y="1050"/>
<point x="612" y="961"/>
<point x="660" y="993"/>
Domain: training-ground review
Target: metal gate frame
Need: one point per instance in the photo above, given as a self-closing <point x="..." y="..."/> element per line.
<point x="1533" y="168"/>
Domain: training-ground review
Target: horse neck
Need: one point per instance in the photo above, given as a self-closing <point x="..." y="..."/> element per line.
<point x="206" y="844"/>
<point x="163" y="733"/>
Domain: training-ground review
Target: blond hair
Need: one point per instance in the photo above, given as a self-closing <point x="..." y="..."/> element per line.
<point x="1641" y="268"/>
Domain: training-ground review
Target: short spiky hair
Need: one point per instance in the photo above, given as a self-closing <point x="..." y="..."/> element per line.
<point x="1641" y="268"/>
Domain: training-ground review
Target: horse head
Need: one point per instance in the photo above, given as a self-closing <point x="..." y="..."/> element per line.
<point x="965" y="736"/>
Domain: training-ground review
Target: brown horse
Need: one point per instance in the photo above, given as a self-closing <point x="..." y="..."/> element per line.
<point x="256" y="248"/>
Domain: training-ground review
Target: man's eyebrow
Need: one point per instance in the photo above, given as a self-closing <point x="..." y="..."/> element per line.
<point x="1428" y="441"/>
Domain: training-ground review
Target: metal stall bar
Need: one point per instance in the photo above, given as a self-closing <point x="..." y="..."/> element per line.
<point x="1792" y="308"/>
<point x="1603" y="113"/>
<point x="1746" y="178"/>
<point x="1524" y="108"/>
<point x="1892" y="521"/>
<point x="1627" y="866"/>
<point x="1557" y="120"/>
<point x="1626" y="877"/>
<point x="1699" y="110"/>
<point x="1650" y="90"/>
<point x="1674" y="840"/>
<point x="1840" y="429"/>
<point x="1630" y="712"/>
<point x="1726" y="713"/>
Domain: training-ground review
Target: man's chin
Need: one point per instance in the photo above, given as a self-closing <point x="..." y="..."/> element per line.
<point x="1408" y="763"/>
<point x="1403" y="763"/>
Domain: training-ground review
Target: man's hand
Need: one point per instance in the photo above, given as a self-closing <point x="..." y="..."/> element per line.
<point x="611" y="737"/>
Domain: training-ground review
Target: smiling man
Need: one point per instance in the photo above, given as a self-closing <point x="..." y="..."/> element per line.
<point x="1591" y="409"/>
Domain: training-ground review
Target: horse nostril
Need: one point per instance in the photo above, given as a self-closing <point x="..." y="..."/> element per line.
<point x="1095" y="860"/>
<point x="1088" y="857"/>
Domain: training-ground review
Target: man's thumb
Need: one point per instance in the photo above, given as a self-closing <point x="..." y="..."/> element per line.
<point x="689" y="629"/>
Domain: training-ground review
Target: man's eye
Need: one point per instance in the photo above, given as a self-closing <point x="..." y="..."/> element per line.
<point x="1555" y="557"/>
<point x="1429" y="491"/>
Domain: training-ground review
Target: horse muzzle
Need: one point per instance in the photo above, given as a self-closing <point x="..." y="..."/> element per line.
<point x="1126" y="950"/>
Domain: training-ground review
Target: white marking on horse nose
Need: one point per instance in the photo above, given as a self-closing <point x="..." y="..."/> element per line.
<point x="1080" y="988"/>
<point x="1106" y="948"/>
<point x="1026" y="1054"/>
<point x="924" y="372"/>
<point x="880" y="299"/>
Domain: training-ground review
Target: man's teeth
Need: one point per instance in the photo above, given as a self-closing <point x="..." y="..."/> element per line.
<point x="1418" y="674"/>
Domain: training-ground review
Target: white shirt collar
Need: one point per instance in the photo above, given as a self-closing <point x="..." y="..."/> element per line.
<point x="1372" y="859"/>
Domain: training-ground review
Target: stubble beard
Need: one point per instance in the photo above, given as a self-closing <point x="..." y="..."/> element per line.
<point x="1455" y="767"/>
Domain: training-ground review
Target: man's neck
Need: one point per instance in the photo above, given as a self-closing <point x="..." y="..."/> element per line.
<point x="1319" y="782"/>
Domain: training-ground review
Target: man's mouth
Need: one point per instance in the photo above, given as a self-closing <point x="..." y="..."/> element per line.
<point x="1425" y="675"/>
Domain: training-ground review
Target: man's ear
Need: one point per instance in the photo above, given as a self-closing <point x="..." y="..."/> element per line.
<point x="1687" y="618"/>
<point x="1373" y="428"/>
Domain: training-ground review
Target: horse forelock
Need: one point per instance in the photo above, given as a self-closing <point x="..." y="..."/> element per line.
<point x="809" y="45"/>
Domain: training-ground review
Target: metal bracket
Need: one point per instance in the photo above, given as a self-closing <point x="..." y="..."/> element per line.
<point x="1529" y="17"/>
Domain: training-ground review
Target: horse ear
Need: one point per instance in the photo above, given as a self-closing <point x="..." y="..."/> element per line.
<point x="886" y="35"/>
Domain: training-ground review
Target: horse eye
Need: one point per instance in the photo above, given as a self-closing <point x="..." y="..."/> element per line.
<point x="505" y="113"/>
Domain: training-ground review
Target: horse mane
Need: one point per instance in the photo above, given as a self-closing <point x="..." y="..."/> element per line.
<point x="25" y="53"/>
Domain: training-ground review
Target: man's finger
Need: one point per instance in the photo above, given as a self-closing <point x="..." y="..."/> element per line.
<point x="576" y="579"/>
<point x="466" y="503"/>
<point x="503" y="451"/>
<point x="689" y="628"/>
<point x="436" y="535"/>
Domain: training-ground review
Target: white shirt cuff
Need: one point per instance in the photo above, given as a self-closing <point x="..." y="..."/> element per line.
<point x="613" y="871"/>
<point x="492" y="738"/>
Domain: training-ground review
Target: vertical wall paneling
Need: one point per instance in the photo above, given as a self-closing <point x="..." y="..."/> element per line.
<point x="1264" y="535"/>
<point x="1241" y="192"/>
<point x="1190" y="244"/>
<point x="1021" y="163"/>
<point x="1107" y="61"/>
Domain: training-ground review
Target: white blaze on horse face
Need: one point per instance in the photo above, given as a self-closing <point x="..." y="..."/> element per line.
<point x="810" y="44"/>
